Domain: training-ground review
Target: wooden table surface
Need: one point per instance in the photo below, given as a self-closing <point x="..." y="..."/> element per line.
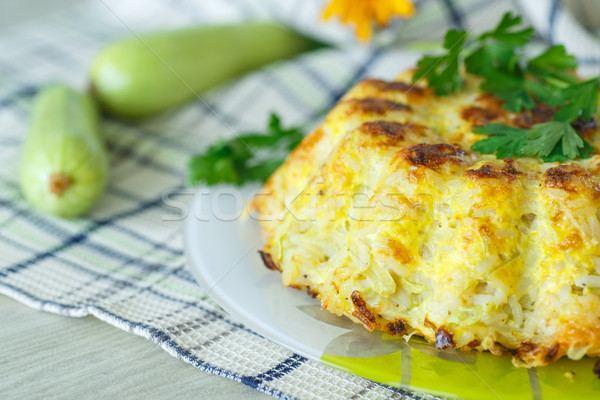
<point x="47" y="356"/>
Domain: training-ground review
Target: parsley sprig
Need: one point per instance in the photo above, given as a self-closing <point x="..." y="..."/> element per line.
<point x="246" y="158"/>
<point x="498" y="57"/>
<point x="443" y="72"/>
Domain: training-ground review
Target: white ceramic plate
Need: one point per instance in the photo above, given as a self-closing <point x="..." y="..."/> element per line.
<point x="222" y="250"/>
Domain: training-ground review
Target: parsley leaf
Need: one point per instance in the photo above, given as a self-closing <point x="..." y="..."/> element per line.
<point x="549" y="95"/>
<point x="442" y="72"/>
<point x="509" y="88"/>
<point x="246" y="158"/>
<point x="569" y="144"/>
<point x="504" y="33"/>
<point x="505" y="141"/>
<point x="551" y="141"/>
<point x="490" y="57"/>
<point x="552" y="67"/>
<point x="542" y="138"/>
<point x="581" y="101"/>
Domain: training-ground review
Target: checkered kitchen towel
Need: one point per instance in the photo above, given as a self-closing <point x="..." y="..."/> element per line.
<point x="124" y="262"/>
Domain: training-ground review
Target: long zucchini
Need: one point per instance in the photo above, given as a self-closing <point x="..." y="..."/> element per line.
<point x="148" y="74"/>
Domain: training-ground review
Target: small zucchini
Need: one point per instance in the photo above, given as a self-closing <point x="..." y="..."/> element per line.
<point x="145" y="75"/>
<point x="64" y="164"/>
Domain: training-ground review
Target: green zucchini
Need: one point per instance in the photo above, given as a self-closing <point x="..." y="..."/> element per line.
<point x="64" y="165"/>
<point x="144" y="75"/>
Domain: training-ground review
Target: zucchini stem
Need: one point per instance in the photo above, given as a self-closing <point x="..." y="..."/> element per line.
<point x="59" y="183"/>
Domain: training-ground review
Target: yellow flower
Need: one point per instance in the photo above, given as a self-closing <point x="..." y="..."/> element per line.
<point x="361" y="13"/>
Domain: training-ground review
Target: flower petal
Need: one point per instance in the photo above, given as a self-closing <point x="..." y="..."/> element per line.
<point x="361" y="13"/>
<point x="403" y="8"/>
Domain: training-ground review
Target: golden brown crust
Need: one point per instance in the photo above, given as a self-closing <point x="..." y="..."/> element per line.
<point x="539" y="114"/>
<point x="444" y="339"/>
<point x="268" y="261"/>
<point x="508" y="172"/>
<point x="571" y="178"/>
<point x="561" y="177"/>
<point x="375" y="105"/>
<point x="586" y="128"/>
<point x="392" y="130"/>
<point x="362" y="312"/>
<point x="528" y="354"/>
<point x="389" y="133"/>
<point x="397" y="328"/>
<point x="433" y="156"/>
<point x="480" y="116"/>
<point x="491" y="102"/>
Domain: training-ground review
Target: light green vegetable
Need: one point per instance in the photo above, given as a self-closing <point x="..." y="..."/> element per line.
<point x="64" y="166"/>
<point x="145" y="75"/>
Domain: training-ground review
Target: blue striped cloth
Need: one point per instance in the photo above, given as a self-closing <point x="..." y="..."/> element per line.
<point x="124" y="262"/>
